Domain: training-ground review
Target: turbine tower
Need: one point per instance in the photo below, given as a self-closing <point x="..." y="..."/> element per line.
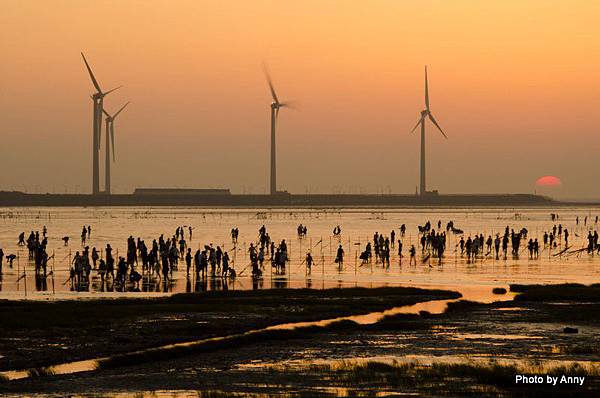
<point x="98" y="99"/>
<point x="426" y="113"/>
<point x="275" y="106"/>
<point x="110" y="131"/>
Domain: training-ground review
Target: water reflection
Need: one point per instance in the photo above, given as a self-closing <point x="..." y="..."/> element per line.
<point x="41" y="284"/>
<point x="279" y="283"/>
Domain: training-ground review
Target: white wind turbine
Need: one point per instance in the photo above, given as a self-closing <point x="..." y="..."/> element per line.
<point x="426" y="113"/>
<point x="275" y="106"/>
<point x="98" y="98"/>
<point x="110" y="131"/>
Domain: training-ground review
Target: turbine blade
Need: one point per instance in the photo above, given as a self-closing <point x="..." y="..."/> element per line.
<point x="94" y="81"/>
<point x="289" y="105"/>
<point x="110" y="91"/>
<point x="270" y="82"/>
<point x="417" y="125"/>
<point x="112" y="139"/>
<point x="426" y="90"/>
<point x="437" y="125"/>
<point x="119" y="111"/>
<point x="276" y="113"/>
<point x="106" y="113"/>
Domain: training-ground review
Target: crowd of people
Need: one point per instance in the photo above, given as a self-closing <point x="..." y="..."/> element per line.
<point x="159" y="259"/>
<point x="278" y="255"/>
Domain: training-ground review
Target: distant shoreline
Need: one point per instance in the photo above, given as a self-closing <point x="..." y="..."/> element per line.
<point x="284" y="199"/>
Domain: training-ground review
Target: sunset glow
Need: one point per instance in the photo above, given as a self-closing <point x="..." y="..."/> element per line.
<point x="548" y="181"/>
<point x="505" y="78"/>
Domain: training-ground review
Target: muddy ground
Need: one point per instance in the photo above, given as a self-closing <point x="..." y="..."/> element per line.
<point x="527" y="331"/>
<point x="34" y="334"/>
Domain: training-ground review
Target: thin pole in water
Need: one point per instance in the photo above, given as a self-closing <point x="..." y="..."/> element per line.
<point x="355" y="263"/>
<point x="349" y="251"/>
<point x="25" y="279"/>
<point x="53" y="258"/>
<point x="18" y="271"/>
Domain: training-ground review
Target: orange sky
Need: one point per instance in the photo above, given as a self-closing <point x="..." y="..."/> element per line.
<point x="515" y="85"/>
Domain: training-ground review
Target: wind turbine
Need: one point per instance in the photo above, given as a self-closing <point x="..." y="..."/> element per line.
<point x="275" y="106"/>
<point x="426" y="113"/>
<point x="97" y="98"/>
<point x="110" y="131"/>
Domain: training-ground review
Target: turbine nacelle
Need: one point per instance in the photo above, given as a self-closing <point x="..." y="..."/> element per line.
<point x="278" y="105"/>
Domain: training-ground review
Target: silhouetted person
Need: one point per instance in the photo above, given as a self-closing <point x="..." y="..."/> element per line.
<point x="225" y="266"/>
<point x="188" y="261"/>
<point x="309" y="262"/>
<point x="165" y="266"/>
<point x="413" y="252"/>
<point x="95" y="256"/>
<point x="339" y="258"/>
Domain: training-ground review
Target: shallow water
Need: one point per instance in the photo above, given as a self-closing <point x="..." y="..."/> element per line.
<point x="114" y="225"/>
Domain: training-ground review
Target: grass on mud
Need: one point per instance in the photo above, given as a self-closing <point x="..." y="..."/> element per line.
<point x="375" y="374"/>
